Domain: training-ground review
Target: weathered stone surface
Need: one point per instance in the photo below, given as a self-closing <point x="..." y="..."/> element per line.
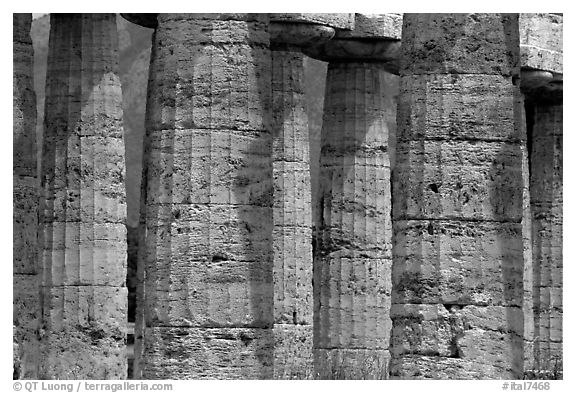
<point x="293" y="357"/>
<point x="25" y="204"/>
<point x="452" y="330"/>
<point x="83" y="206"/>
<point x="374" y="26"/>
<point x="207" y="200"/>
<point x="352" y="363"/>
<point x="414" y="366"/>
<point x="541" y="41"/>
<point x="25" y="317"/>
<point x="208" y="353"/>
<point x="83" y="253"/>
<point x="83" y="332"/>
<point x="467" y="256"/>
<point x="470" y="180"/>
<point x="285" y="34"/>
<point x="459" y="247"/>
<point x="445" y="106"/>
<point x="352" y="266"/>
<point x="460" y="44"/>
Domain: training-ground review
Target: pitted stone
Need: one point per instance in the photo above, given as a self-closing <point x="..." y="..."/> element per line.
<point x="338" y="21"/>
<point x="541" y="40"/>
<point x="299" y="34"/>
<point x="374" y="26"/>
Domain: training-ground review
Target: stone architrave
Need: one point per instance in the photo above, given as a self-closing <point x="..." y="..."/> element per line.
<point x="83" y="206"/>
<point x="352" y="265"/>
<point x="292" y="233"/>
<point x="458" y="200"/>
<point x="25" y="205"/>
<point x="207" y="305"/>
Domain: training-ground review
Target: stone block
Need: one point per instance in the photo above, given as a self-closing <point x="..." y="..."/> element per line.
<point x="203" y="353"/>
<point x="458" y="262"/>
<point x="452" y="106"/>
<point x="352" y="303"/>
<point x="98" y="310"/>
<point x="541" y="41"/>
<point x="375" y="26"/>
<point x="460" y="44"/>
<point x="359" y="364"/>
<point x="293" y="357"/>
<point x="84" y="254"/>
<point x="217" y="293"/>
<point x="203" y="166"/>
<point x="292" y="274"/>
<point x="456" y="179"/>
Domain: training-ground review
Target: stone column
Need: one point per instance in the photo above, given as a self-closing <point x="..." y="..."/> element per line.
<point x="83" y="207"/>
<point x="544" y="102"/>
<point x="25" y="205"/>
<point x="292" y="233"/>
<point x="457" y="203"/>
<point x="207" y="190"/>
<point x="353" y="262"/>
<point x="541" y="37"/>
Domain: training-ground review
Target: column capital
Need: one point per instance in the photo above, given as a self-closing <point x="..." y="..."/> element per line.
<point x="286" y="34"/>
<point x="541" y="85"/>
<point x="375" y="38"/>
<point x="144" y="20"/>
<point x="337" y="21"/>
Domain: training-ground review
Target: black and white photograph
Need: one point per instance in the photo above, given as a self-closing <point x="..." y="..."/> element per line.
<point x="287" y="196"/>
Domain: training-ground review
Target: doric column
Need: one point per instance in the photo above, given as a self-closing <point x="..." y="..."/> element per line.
<point x="25" y="204"/>
<point x="352" y="265"/>
<point x="207" y="193"/>
<point x="292" y="233"/>
<point x="83" y="207"/>
<point x="542" y="69"/>
<point x="457" y="203"/>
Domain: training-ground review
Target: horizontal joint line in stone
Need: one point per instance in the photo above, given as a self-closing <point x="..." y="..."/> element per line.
<point x="370" y="348"/>
<point x="462" y="219"/>
<point x="511" y="141"/>
<point x="82" y="286"/>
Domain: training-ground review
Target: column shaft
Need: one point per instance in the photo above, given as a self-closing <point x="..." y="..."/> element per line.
<point x="25" y="205"/>
<point x="352" y="268"/>
<point x="546" y="203"/>
<point x="207" y="249"/>
<point x="458" y="196"/>
<point x="292" y="233"/>
<point x="83" y="206"/>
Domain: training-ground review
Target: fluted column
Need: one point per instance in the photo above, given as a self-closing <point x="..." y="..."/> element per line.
<point x="541" y="48"/>
<point x="83" y="207"/>
<point x="458" y="195"/>
<point x="544" y="102"/>
<point x="207" y="189"/>
<point x="25" y="205"/>
<point x="292" y="233"/>
<point x="353" y="262"/>
<point x="546" y="202"/>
